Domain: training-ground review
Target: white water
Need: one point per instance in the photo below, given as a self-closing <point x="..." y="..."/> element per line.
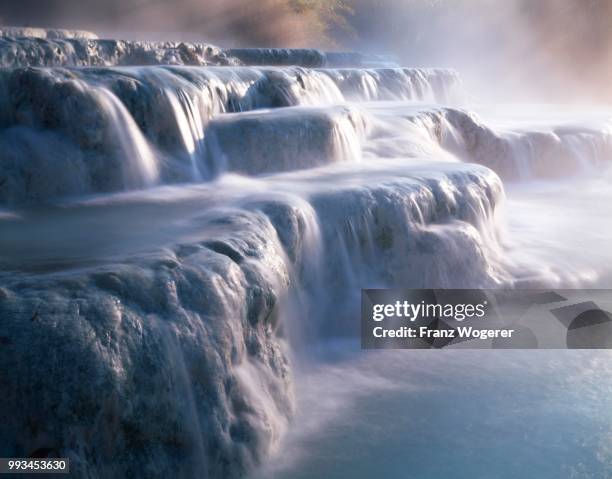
<point x="193" y="241"/>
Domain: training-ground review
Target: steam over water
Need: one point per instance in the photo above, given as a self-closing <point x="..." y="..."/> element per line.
<point x="182" y="250"/>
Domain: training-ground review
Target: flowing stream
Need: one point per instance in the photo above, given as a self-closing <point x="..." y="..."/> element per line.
<point x="182" y="250"/>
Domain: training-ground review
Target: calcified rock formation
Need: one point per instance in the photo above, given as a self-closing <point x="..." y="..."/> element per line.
<point x="148" y="331"/>
<point x="309" y="57"/>
<point x="101" y="126"/>
<point x="44" y="47"/>
<point x="515" y="153"/>
<point x="48" y="33"/>
<point x="171" y="364"/>
<point x="87" y="52"/>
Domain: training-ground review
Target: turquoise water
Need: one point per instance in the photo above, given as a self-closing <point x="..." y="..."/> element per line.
<point x="452" y="414"/>
<point x="471" y="414"/>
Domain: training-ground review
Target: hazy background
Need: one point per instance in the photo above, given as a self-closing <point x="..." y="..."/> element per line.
<point x="548" y="49"/>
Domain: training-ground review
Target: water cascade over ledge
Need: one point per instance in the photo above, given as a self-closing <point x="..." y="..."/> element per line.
<point x="179" y="230"/>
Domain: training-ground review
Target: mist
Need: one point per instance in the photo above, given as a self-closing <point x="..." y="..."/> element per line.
<point x="288" y="23"/>
<point x="186" y="232"/>
<point x="549" y="50"/>
<point x="520" y="50"/>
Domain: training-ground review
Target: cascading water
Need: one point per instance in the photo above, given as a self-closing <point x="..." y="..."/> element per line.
<point x="182" y="248"/>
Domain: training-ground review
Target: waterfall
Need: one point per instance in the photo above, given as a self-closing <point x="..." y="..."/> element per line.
<point x="183" y="225"/>
<point x="138" y="160"/>
<point x="156" y="120"/>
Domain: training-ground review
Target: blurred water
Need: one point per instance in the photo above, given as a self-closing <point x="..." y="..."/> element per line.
<point x="473" y="414"/>
<point x="460" y="414"/>
<point x="157" y="196"/>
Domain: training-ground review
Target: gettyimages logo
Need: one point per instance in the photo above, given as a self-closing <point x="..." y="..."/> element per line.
<point x="486" y="319"/>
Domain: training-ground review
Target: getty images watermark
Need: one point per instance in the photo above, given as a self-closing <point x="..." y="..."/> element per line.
<point x="486" y="319"/>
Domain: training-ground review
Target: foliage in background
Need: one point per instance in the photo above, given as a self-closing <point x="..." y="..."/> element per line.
<point x="290" y="23"/>
<point x="330" y="17"/>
